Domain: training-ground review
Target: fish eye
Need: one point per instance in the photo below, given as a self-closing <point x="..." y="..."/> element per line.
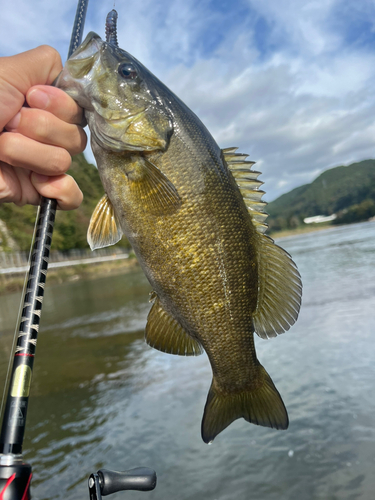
<point x="127" y="71"/>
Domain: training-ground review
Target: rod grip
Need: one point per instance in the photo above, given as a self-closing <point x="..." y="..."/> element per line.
<point x="141" y="479"/>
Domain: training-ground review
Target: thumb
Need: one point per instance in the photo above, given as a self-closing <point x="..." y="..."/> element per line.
<point x="22" y="71"/>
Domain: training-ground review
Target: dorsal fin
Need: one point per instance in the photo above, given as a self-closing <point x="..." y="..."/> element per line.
<point x="247" y="181"/>
<point x="280" y="287"/>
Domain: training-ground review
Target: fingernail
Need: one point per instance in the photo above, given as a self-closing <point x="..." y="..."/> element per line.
<point x="14" y="122"/>
<point x="38" y="99"/>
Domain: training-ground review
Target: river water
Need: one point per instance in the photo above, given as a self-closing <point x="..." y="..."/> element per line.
<point x="102" y="398"/>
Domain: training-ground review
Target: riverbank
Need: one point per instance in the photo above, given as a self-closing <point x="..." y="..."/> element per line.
<point x="14" y="283"/>
<point x="300" y="230"/>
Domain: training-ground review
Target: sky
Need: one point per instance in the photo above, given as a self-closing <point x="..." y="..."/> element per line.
<point x="289" y="82"/>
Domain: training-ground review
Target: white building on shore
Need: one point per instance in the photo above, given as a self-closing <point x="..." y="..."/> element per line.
<point x="319" y="218"/>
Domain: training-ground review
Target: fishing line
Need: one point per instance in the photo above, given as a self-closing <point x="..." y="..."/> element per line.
<point x="16" y="331"/>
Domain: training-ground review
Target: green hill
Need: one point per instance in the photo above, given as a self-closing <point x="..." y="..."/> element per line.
<point x="348" y="191"/>
<point x="70" y="227"/>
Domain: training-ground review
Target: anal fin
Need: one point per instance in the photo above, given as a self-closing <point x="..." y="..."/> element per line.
<point x="165" y="334"/>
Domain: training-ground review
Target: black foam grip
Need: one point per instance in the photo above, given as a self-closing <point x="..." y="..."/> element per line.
<point x="141" y="479"/>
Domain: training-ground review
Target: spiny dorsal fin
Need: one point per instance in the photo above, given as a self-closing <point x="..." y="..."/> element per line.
<point x="280" y="290"/>
<point x="165" y="334"/>
<point x="246" y="180"/>
<point x="104" y="229"/>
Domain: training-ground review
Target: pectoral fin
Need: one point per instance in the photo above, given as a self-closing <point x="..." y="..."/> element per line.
<point x="104" y="229"/>
<point x="155" y="191"/>
<point x="165" y="334"/>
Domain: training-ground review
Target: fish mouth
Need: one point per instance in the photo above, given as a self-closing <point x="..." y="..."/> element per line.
<point x="73" y="78"/>
<point x="90" y="45"/>
<point x="83" y="59"/>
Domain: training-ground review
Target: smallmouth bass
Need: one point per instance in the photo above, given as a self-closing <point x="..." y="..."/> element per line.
<point x="194" y="216"/>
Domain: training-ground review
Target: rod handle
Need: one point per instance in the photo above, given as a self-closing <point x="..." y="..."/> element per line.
<point x="141" y="479"/>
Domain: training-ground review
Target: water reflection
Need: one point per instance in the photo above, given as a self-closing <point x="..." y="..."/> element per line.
<point x="102" y="398"/>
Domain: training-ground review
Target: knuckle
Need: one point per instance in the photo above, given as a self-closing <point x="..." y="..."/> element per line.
<point x="83" y="140"/>
<point x="50" y="53"/>
<point x="42" y="126"/>
<point x="9" y="143"/>
<point x="20" y="201"/>
<point x="6" y="193"/>
<point x="80" y="141"/>
<point x="77" y="200"/>
<point x="61" y="161"/>
<point x="74" y="112"/>
<point x="72" y="197"/>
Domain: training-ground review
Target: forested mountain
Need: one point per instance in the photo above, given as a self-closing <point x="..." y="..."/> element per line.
<point x="70" y="227"/>
<point x="348" y="191"/>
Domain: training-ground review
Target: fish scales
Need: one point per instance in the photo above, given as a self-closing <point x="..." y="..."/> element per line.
<point x="198" y="239"/>
<point x="172" y="191"/>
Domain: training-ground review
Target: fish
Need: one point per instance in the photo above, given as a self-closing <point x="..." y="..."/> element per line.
<point x="195" y="218"/>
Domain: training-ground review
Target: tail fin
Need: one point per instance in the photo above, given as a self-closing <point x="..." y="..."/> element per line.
<point x="262" y="406"/>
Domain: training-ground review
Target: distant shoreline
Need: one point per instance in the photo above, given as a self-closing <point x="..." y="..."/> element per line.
<point x="14" y="283"/>
<point x="300" y="230"/>
<point x="312" y="228"/>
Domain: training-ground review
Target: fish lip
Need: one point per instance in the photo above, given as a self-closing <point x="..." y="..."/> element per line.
<point x="83" y="59"/>
<point x="92" y="41"/>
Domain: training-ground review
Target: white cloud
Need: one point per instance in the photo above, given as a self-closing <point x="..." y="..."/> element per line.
<point x="286" y="81"/>
<point x="25" y="24"/>
<point x="300" y="25"/>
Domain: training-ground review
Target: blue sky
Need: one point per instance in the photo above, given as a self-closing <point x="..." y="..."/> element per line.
<point x="290" y="82"/>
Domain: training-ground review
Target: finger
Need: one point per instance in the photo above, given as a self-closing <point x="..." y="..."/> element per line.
<point x="55" y="101"/>
<point x="39" y="66"/>
<point x="62" y="188"/>
<point x="46" y="128"/>
<point x="20" y="151"/>
<point x="16" y="187"/>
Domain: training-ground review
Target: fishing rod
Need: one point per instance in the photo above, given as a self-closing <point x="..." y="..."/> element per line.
<point x="15" y="474"/>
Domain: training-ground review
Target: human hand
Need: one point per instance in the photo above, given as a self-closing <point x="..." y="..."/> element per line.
<point x="36" y="141"/>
